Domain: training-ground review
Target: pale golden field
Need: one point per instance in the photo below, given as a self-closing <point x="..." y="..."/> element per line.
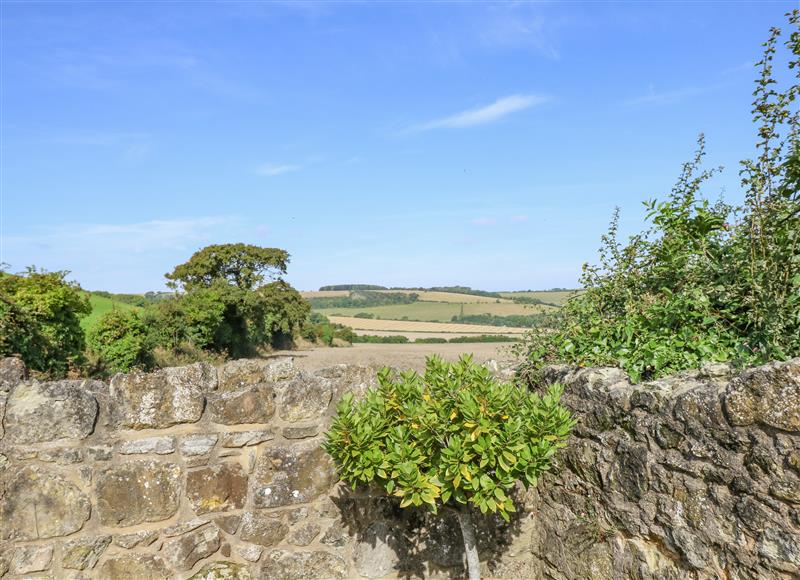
<point x="324" y="293"/>
<point x="453" y="297"/>
<point x="402" y="326"/>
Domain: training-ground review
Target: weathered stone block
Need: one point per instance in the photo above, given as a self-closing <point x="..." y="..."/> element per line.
<point x="195" y="445"/>
<point x="249" y="552"/>
<point x="136" y="492"/>
<point x="244" y="438"/>
<point x="27" y="559"/>
<point x="185" y="551"/>
<point x="301" y="432"/>
<point x="61" y="455"/>
<point x="289" y="474"/>
<point x="39" y="504"/>
<point x="157" y="445"/>
<point x="183" y="527"/>
<point x="262" y="529"/>
<point x="222" y="571"/>
<point x="161" y="399"/>
<point x="83" y="553"/>
<point x="128" y="541"/>
<point x="237" y="374"/>
<point x="216" y="488"/>
<point x="769" y="394"/>
<point x="378" y="553"/>
<point x="254" y="404"/>
<point x="304" y="534"/>
<point x="139" y="566"/>
<point x="280" y="565"/>
<point x="306" y="397"/>
<point x="12" y="371"/>
<point x="228" y="524"/>
<point x="37" y="412"/>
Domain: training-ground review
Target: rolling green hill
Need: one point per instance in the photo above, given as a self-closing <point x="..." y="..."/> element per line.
<point x="101" y="305"/>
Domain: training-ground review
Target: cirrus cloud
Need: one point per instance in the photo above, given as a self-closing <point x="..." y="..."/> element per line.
<point x="482" y="115"/>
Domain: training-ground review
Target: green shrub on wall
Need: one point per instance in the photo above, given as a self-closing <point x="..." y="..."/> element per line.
<point x="453" y="437"/>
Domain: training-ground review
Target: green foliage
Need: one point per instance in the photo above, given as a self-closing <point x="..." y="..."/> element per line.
<point x="40" y="317"/>
<point x="196" y="318"/>
<point x="510" y="320"/>
<point x="364" y="299"/>
<point x="483" y="338"/>
<point x="352" y="287"/>
<point x="533" y="301"/>
<point x="375" y="339"/>
<point x="317" y="328"/>
<point x="450" y="437"/>
<point x="240" y="265"/>
<point x="133" y="299"/>
<point x="119" y="341"/>
<point x="706" y="282"/>
<point x="456" y="290"/>
<point x="226" y="306"/>
<point x="102" y="303"/>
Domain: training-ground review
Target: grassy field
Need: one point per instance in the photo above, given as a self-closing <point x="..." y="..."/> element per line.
<point x="424" y="296"/>
<point x="402" y="326"/>
<point x="438" y="311"/>
<point x="558" y="297"/>
<point x="101" y="305"/>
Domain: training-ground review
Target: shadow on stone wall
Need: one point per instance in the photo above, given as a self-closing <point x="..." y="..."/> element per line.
<point x="413" y="542"/>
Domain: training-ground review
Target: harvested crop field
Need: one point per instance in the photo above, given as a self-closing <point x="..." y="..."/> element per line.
<point x="402" y="356"/>
<point x="402" y="326"/>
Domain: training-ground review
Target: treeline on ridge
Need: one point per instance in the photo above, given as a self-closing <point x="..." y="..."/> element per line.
<point x="363" y="298"/>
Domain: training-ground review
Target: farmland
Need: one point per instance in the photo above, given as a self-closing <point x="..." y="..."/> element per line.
<point x="402" y="326"/>
<point x="435" y="312"/>
<point x="438" y="311"/>
<point x="100" y="305"/>
<point x="558" y="297"/>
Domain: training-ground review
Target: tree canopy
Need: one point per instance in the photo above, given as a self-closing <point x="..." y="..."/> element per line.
<point x="242" y="265"/>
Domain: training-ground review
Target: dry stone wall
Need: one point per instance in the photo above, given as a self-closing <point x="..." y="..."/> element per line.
<point x="217" y="473"/>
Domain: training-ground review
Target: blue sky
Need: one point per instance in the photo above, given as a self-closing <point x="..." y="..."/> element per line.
<point x="401" y="143"/>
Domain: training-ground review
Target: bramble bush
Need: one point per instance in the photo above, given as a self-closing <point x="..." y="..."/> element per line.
<point x="707" y="281"/>
<point x="452" y="437"/>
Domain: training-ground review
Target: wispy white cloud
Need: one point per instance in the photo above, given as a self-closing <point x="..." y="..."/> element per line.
<point x="126" y="238"/>
<point x="517" y="219"/>
<point x="123" y="257"/>
<point x="482" y="115"/>
<point x="271" y="169"/>
<point x="671" y="97"/>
